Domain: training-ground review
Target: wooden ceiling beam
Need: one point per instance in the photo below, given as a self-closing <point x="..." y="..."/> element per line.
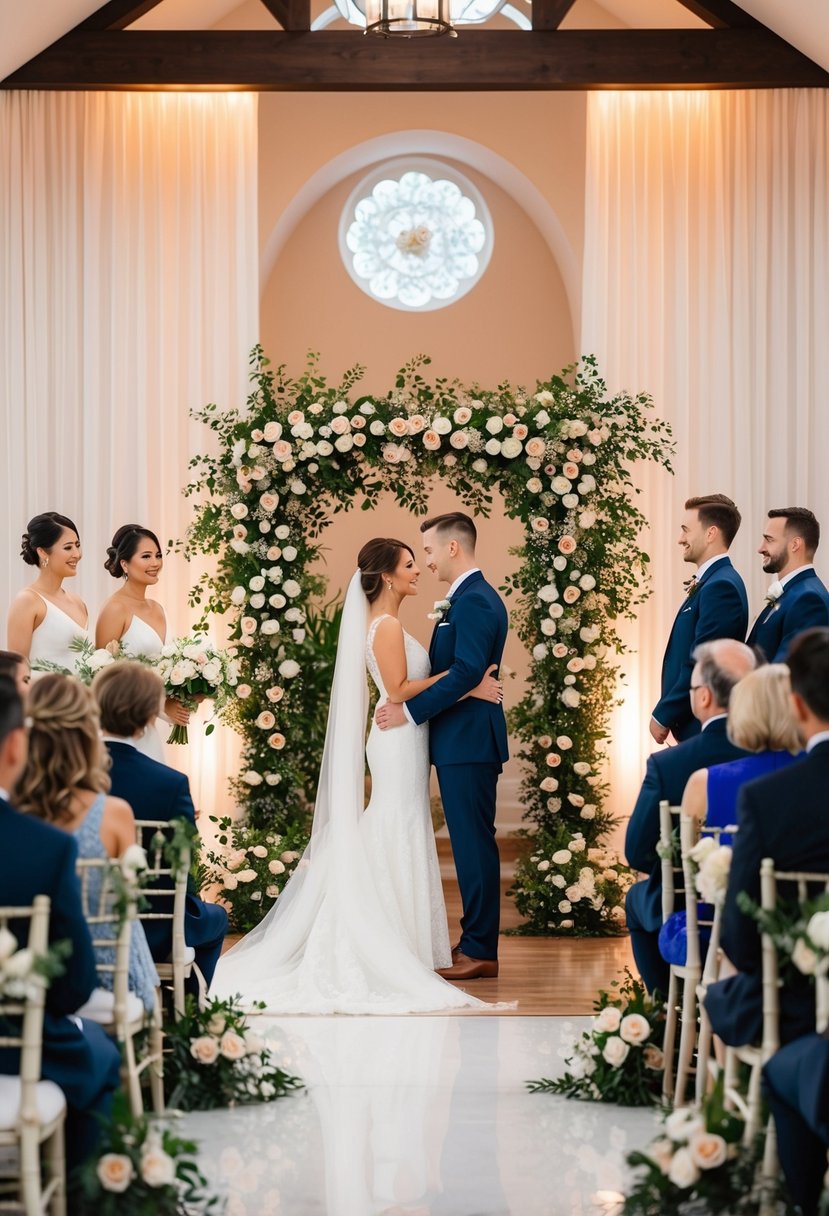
<point x="291" y="14"/>
<point x="117" y="14"/>
<point x="721" y="14"/>
<point x="549" y="14"/>
<point x="331" y="61"/>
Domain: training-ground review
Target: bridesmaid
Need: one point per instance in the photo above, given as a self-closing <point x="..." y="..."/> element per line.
<point x="44" y="617"/>
<point x="130" y="617"/>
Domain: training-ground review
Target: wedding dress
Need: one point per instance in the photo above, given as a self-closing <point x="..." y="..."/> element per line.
<point x="141" y="639"/>
<point x="361" y="925"/>
<point x="52" y="637"/>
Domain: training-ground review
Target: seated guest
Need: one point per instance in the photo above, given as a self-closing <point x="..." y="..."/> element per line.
<point x="65" y="783"/>
<point x="761" y="722"/>
<point x="797" y="1084"/>
<point x="77" y="1056"/>
<point x="129" y="696"/>
<point x="782" y="816"/>
<point x="16" y="667"/>
<point x="797" y="598"/>
<point x="718" y="666"/>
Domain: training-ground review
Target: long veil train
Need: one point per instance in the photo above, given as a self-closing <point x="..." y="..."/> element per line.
<point x="326" y="946"/>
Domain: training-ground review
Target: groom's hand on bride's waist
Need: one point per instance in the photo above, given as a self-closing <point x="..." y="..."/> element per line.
<point x="389" y="714"/>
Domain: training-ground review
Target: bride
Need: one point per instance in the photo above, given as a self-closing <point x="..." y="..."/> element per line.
<point x="361" y="925"/>
<point x="44" y="618"/>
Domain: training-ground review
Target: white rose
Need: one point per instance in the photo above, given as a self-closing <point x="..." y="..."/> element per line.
<point x="288" y="669"/>
<point x="564" y="743"/>
<point x="559" y="881"/>
<point x="269" y="628"/>
<point x="635" y="1029"/>
<point x="282" y="532"/>
<point x="298" y="487"/>
<point x="157" y="1167"/>
<point x="804" y="957"/>
<point x="258" y="600"/>
<point x="289" y="553"/>
<point x="540" y="652"/>
<point x="511" y="448"/>
<point x="683" y="1172"/>
<point x="232" y="1046"/>
<point x="561" y="485"/>
<point x="8" y="944"/>
<point x="548" y="627"/>
<point x="684" y="1123"/>
<point x="548" y="593"/>
<point x="494" y="425"/>
<point x="291" y="588"/>
<point x="571" y="698"/>
<point x="442" y="425"/>
<point x="238" y="510"/>
<point x="246" y="875"/>
<point x="238" y="595"/>
<point x="272" y="432"/>
<point x="562" y="856"/>
<point x="615" y="1051"/>
<point x="492" y="447"/>
<point x="243" y="691"/>
<point x="252" y="778"/>
<point x="608" y="1021"/>
<point x="818" y="930"/>
<point x="276" y="867"/>
<point x="115" y="1172"/>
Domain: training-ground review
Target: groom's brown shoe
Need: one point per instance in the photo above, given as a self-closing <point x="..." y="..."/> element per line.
<point x="466" y="968"/>
<point x="455" y="952"/>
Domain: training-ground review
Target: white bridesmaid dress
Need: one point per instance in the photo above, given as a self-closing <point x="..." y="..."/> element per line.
<point x="52" y="637"/>
<point x="140" y="639"/>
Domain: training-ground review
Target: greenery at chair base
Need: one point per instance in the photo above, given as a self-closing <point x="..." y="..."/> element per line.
<point x="215" y="1060"/>
<point x="141" y="1169"/>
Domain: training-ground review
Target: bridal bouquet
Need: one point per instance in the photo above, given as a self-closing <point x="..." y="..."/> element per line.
<point x="619" y="1058"/>
<point x="89" y="662"/>
<point x="194" y="670"/>
<point x="215" y="1060"/>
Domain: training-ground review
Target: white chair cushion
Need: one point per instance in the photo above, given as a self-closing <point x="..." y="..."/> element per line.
<point x="50" y="1102"/>
<point x="101" y="1007"/>
<point x="188" y="957"/>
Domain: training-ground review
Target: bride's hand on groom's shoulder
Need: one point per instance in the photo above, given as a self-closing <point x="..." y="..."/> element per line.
<point x="389" y="715"/>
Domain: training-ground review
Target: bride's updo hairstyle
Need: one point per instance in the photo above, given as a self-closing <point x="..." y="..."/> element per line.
<point x="376" y="558"/>
<point x="125" y="544"/>
<point x="65" y="749"/>
<point x="41" y="533"/>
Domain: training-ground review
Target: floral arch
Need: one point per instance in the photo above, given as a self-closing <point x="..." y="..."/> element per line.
<point x="561" y="456"/>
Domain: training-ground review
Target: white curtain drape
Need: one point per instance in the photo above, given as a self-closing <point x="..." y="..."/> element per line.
<point x="706" y="282"/>
<point x="129" y="289"/>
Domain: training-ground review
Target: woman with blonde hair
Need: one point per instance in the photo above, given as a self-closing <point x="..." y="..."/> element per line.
<point x="65" y="783"/>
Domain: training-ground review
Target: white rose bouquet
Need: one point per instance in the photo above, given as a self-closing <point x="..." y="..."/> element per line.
<point x="619" y="1059"/>
<point x="195" y="670"/>
<point x="215" y="1060"/>
<point x="699" y="1165"/>
<point x="142" y="1168"/>
<point x="89" y="662"/>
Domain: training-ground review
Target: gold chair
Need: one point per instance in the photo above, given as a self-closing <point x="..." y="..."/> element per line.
<point x="154" y="835"/>
<point x="32" y="1111"/>
<point x="120" y="1012"/>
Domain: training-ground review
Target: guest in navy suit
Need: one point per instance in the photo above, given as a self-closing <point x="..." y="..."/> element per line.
<point x="797" y="599"/>
<point x="782" y="816"/>
<point x="467" y="738"/>
<point x="129" y="696"/>
<point x="715" y="606"/>
<point x="797" y="1084"/>
<point x="79" y="1057"/>
<point x="718" y="666"/>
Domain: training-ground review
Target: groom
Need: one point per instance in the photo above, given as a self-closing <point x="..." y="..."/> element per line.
<point x="467" y="738"/>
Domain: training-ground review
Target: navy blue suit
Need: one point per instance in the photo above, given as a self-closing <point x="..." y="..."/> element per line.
<point x="468" y="747"/>
<point x="717" y="609"/>
<point x="83" y="1061"/>
<point x="666" y="776"/>
<point x="783" y="817"/>
<point x="156" y="791"/>
<point x="797" y="1084"/>
<point x="804" y="604"/>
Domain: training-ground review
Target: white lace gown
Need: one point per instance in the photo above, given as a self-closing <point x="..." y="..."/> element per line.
<point x="52" y="637"/>
<point x="366" y="926"/>
<point x="141" y="639"/>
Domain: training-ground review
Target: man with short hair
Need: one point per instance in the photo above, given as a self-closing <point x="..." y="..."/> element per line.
<point x="782" y="816"/>
<point x="718" y="666"/>
<point x="467" y="738"/>
<point x="78" y="1056"/>
<point x="715" y="606"/>
<point x="796" y="600"/>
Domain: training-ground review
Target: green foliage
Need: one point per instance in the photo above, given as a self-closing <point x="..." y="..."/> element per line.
<point x="633" y="1075"/>
<point x="215" y="1060"/>
<point x="301" y="450"/>
<point x="252" y="866"/>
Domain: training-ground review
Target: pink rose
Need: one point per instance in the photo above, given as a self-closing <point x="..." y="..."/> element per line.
<point x="570" y="470"/>
<point x="571" y="594"/>
<point x="399" y="427"/>
<point x="295" y="417"/>
<point x="567" y="545"/>
<point x="277" y="742"/>
<point x="431" y="440"/>
<point x="540" y="524"/>
<point x="553" y="759"/>
<point x="282" y="450"/>
<point x="534" y="447"/>
<point x="340" y="424"/>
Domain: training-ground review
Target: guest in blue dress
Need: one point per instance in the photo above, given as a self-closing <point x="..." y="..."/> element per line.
<point x="760" y="721"/>
<point x="65" y="782"/>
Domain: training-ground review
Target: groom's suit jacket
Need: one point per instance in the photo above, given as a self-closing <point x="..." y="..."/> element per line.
<point x="804" y="604"/>
<point x="717" y="609"/>
<point x="465" y="643"/>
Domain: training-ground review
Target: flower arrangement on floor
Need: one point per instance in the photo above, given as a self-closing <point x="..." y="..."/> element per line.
<point x="699" y="1167"/>
<point x="193" y="670"/>
<point x="250" y="868"/>
<point x="561" y="456"/>
<point x="142" y="1170"/>
<point x="572" y="888"/>
<point x="619" y="1059"/>
<point x="216" y="1060"/>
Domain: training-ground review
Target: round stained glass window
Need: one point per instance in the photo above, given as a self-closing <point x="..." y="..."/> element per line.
<point x="416" y="235"/>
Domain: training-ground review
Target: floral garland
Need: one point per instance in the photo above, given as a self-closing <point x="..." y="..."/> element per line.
<point x="560" y="456"/>
<point x="619" y="1058"/>
<point x="250" y="868"/>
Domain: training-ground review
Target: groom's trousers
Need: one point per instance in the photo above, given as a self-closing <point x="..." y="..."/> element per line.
<point x="468" y="795"/>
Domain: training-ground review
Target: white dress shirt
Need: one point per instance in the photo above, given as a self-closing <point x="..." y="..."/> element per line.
<point x="793" y="573"/>
<point x="822" y="736"/>
<point x="707" y="565"/>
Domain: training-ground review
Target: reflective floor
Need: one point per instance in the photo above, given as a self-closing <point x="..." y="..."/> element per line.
<point x="420" y="1115"/>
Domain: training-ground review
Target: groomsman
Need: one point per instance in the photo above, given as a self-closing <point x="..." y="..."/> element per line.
<point x="715" y="606"/>
<point x="797" y="599"/>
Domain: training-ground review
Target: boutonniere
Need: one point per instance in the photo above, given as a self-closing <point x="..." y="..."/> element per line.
<point x="440" y="610"/>
<point x="691" y="586"/>
<point x="774" y="592"/>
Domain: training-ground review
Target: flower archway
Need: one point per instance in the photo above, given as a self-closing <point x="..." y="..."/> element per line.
<point x="561" y="457"/>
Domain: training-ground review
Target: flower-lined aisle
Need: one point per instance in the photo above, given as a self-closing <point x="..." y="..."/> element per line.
<point x="561" y="456"/>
